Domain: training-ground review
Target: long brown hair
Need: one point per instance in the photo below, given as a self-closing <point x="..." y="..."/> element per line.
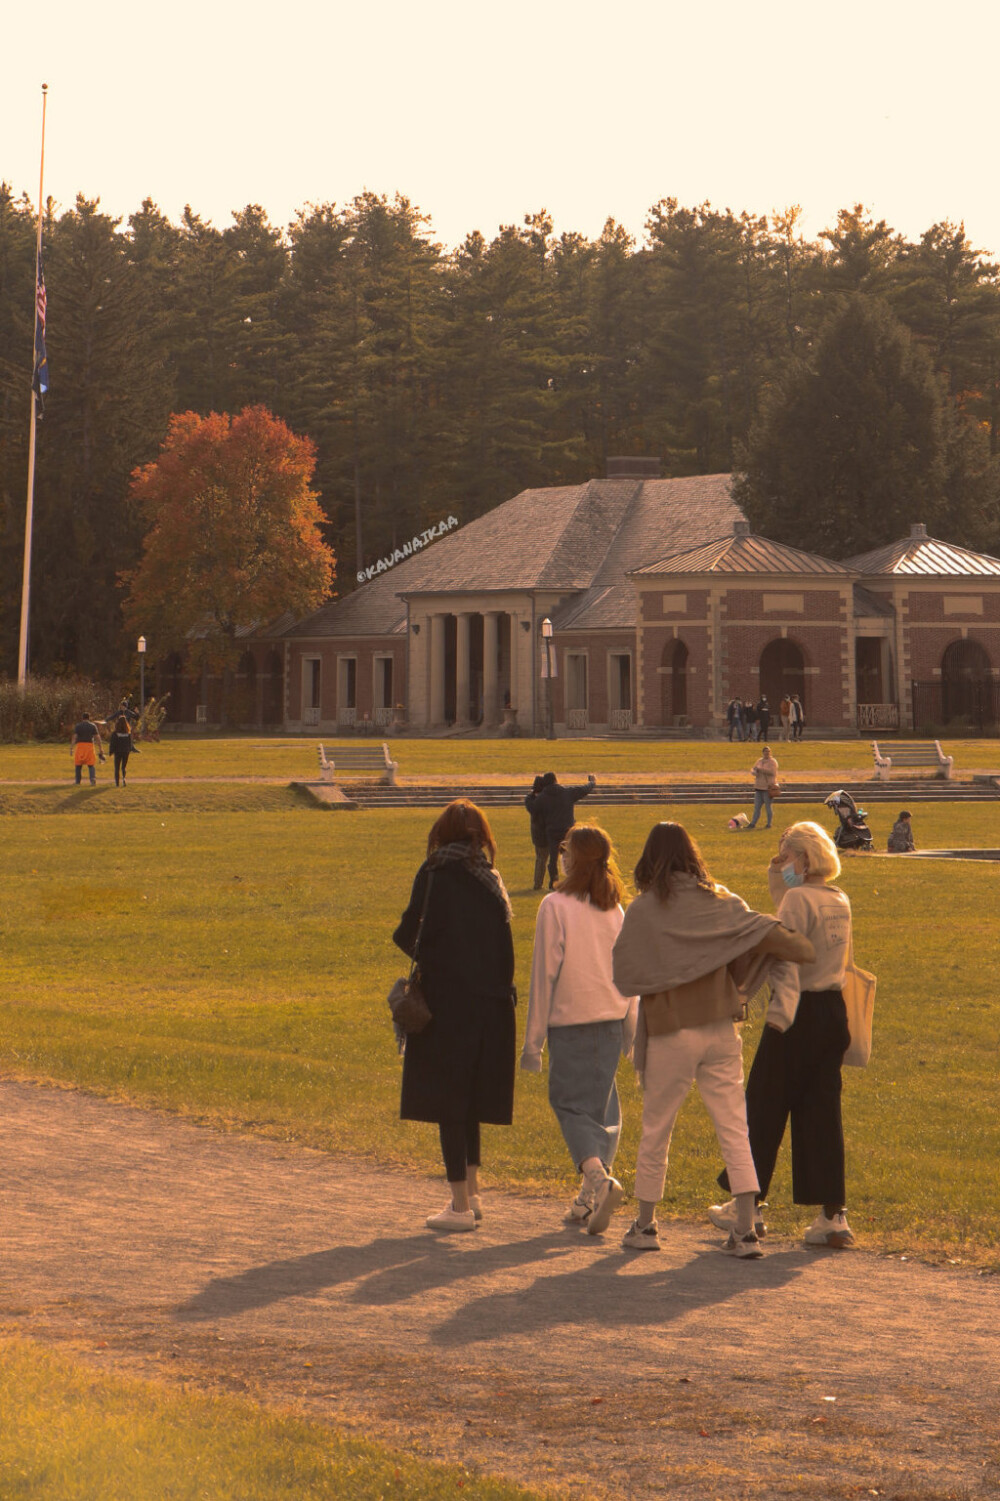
<point x="594" y="870"/>
<point x="463" y="823"/>
<point x="670" y="851"/>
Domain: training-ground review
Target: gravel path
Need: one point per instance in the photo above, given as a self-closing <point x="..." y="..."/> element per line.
<point x="153" y="1245"/>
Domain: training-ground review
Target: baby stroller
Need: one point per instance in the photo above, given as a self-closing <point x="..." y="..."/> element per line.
<point x="852" y="832"/>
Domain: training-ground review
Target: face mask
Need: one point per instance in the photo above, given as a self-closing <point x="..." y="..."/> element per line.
<point x="791" y="876"/>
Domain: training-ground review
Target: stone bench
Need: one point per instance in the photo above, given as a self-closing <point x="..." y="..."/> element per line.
<point x="913" y="753"/>
<point x="367" y="758"/>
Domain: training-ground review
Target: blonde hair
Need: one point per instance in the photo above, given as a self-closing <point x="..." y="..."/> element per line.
<point x="814" y="842"/>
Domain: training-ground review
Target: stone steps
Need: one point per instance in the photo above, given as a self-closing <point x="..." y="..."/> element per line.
<point x="901" y="791"/>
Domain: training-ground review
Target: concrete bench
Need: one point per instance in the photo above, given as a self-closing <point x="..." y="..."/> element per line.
<point x="365" y="758"/>
<point x="914" y="753"/>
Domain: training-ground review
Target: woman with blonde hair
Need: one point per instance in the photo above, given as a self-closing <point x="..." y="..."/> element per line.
<point x="695" y="952"/>
<point x="796" y="1073"/>
<point x="459" y="1072"/>
<point x="575" y="1006"/>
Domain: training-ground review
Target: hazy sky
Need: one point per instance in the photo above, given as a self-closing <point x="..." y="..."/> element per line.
<point x="481" y="114"/>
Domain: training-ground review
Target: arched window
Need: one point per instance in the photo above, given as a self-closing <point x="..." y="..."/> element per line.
<point x="782" y="672"/>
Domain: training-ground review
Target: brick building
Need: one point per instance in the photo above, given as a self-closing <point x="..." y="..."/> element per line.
<point x="663" y="606"/>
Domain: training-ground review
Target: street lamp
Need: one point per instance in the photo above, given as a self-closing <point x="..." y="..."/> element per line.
<point x="142" y="676"/>
<point x="547" y="638"/>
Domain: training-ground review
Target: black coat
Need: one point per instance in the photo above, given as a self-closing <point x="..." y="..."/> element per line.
<point x="539" y="838"/>
<point x="555" y="807"/>
<point x="462" y="1066"/>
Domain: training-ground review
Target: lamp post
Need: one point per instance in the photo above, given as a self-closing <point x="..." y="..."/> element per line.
<point x="142" y="677"/>
<point x="547" y="638"/>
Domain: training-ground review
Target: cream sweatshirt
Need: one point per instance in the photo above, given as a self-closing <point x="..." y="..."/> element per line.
<point x="823" y="915"/>
<point x="571" y="979"/>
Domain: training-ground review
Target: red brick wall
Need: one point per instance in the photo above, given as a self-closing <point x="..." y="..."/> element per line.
<point x="929" y="606"/>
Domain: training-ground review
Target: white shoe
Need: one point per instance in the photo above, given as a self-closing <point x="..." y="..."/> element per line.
<point x="607" y="1196"/>
<point x="476" y="1205"/>
<point x="835" y="1233"/>
<point x="642" y="1237"/>
<point x="723" y="1217"/>
<point x="450" y="1218"/>
<point x="581" y="1209"/>
<point x="747" y="1247"/>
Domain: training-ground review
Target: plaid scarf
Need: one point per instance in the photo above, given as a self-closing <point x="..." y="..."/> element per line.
<point x="477" y="864"/>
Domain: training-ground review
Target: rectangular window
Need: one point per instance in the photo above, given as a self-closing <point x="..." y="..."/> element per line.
<point x="576" y="681"/>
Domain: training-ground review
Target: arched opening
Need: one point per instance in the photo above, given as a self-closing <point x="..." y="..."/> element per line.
<point x="673" y="682"/>
<point x="966" y="681"/>
<point x="782" y="673"/>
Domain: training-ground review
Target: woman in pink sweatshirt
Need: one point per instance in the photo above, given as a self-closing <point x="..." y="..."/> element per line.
<point x="588" y="1024"/>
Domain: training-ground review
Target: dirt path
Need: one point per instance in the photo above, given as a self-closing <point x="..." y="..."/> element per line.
<point x="156" y="1246"/>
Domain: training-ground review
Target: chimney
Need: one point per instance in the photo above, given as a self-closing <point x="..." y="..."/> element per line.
<point x="918" y="530"/>
<point x="634" y="468"/>
<point x="741" y="527"/>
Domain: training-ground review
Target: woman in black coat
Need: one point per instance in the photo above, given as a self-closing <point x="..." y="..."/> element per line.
<point x="459" y="1071"/>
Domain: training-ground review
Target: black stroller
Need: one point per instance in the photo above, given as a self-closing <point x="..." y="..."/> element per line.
<point x="852" y="832"/>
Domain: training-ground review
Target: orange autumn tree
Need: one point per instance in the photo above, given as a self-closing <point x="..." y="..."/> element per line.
<point x="234" y="535"/>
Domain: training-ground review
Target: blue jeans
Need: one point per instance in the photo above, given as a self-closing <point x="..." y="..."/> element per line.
<point x="583" y="1061"/>
<point x="760" y="800"/>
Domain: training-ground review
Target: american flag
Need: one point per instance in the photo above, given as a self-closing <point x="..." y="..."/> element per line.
<point x="40" y="375"/>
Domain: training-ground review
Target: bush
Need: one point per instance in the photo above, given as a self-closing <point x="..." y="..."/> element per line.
<point x="43" y="709"/>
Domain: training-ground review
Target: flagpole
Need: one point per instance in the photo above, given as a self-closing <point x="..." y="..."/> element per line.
<point x="22" y="657"/>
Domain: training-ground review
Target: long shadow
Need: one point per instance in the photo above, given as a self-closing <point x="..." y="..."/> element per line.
<point x="389" y="1271"/>
<point x="598" y="1295"/>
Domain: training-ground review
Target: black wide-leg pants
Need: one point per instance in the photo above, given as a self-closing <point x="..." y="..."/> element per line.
<point x="796" y="1076"/>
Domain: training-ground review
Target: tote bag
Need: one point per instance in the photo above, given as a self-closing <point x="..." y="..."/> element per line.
<point x="858" y="991"/>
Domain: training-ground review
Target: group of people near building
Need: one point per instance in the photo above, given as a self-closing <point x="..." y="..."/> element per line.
<point x="665" y="982"/>
<point x="747" y="720"/>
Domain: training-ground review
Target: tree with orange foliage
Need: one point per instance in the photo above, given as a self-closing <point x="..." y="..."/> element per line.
<point x="234" y="535"/>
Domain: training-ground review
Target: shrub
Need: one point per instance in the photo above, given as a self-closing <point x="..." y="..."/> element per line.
<point x="45" y="706"/>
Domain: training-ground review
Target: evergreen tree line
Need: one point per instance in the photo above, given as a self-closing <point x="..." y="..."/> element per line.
<point x="437" y="382"/>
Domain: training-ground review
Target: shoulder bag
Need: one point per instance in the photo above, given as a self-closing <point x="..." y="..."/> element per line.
<point x="858" y="990"/>
<point x="410" y="1011"/>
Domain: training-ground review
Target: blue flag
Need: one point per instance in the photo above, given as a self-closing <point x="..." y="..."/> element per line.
<point x="40" y="375"/>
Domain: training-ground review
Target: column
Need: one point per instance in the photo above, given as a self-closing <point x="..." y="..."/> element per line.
<point x="462" y="674"/>
<point x="491" y="710"/>
<point x="436" y="671"/>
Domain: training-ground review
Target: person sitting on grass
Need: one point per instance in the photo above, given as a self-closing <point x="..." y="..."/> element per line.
<point x="588" y="1024"/>
<point x="901" y="838"/>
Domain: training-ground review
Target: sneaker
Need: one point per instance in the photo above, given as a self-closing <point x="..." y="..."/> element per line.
<point x="746" y="1247"/>
<point x="580" y="1210"/>
<point x="450" y="1218"/>
<point x="607" y="1196"/>
<point x="642" y="1238"/>
<point x="835" y="1232"/>
<point x="723" y="1217"/>
<point x="476" y="1205"/>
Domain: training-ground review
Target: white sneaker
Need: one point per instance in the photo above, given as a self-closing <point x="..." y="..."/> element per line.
<point x="580" y="1210"/>
<point x="476" y="1205"/>
<point x="747" y="1247"/>
<point x="723" y="1217"/>
<point x="642" y="1237"/>
<point x="835" y="1233"/>
<point x="607" y="1196"/>
<point x="450" y="1218"/>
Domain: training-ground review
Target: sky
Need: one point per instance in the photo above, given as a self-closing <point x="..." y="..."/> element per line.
<point x="481" y="114"/>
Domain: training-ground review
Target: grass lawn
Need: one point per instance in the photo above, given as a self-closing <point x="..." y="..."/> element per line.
<point x="294" y="758"/>
<point x="73" y="1433"/>
<point x="230" y="960"/>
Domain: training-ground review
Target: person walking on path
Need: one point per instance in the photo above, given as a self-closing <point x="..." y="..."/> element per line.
<point x="695" y="952"/>
<point x="785" y="712"/>
<point x="539" y="839"/>
<point x="120" y="746"/>
<point x="556" y="807"/>
<point x="796" y="1073"/>
<point x="765" y="777"/>
<point x="734" y="716"/>
<point x="763" y="712"/>
<point x="459" y="1072"/>
<point x="588" y="1024"/>
<point x="86" y="746"/>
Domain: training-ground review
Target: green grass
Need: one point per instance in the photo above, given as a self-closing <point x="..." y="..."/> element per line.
<point x="235" y="969"/>
<point x="294" y="758"/>
<point x="71" y="1433"/>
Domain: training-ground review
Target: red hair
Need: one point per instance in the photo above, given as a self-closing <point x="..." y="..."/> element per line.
<point x="594" y="870"/>
<point x="463" y="823"/>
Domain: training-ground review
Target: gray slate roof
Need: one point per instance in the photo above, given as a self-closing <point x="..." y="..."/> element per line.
<point x="926" y="557"/>
<point x="582" y="539"/>
<point x="744" y="554"/>
<point x="870" y="604"/>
